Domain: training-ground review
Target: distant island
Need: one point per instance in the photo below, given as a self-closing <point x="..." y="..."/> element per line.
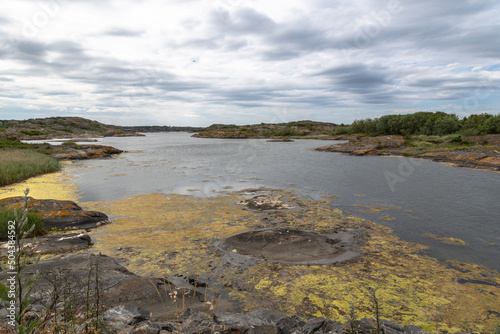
<point x="162" y="128"/>
<point x="298" y="129"/>
<point x="59" y="127"/>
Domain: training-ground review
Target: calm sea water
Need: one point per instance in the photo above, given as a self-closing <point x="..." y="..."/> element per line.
<point x="432" y="197"/>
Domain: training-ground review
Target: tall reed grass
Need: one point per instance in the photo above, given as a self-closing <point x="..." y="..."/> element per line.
<point x="17" y="165"/>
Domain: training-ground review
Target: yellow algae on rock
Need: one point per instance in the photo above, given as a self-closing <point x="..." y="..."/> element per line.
<point x="375" y="209"/>
<point x="447" y="240"/>
<point x="161" y="234"/>
<point x="56" y="185"/>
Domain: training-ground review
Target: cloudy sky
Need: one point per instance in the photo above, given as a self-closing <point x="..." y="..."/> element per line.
<point x="197" y="62"/>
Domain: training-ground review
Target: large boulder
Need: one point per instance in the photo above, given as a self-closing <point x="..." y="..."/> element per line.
<point x="72" y="274"/>
<point x="288" y="245"/>
<point x="57" y="213"/>
<point x="53" y="243"/>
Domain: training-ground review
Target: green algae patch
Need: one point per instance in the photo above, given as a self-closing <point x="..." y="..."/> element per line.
<point x="168" y="235"/>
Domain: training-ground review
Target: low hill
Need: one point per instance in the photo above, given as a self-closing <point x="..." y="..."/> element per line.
<point x="162" y="128"/>
<point x="300" y="129"/>
<point x="59" y="127"/>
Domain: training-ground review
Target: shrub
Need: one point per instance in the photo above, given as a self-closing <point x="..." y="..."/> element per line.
<point x="8" y="143"/>
<point x="71" y="144"/>
<point x="343" y="131"/>
<point x="32" y="132"/>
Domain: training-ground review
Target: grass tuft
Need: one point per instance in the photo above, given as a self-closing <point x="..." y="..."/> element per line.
<point x="10" y="215"/>
<point x="18" y="164"/>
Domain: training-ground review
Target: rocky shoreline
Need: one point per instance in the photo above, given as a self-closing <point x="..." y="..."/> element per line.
<point x="176" y="304"/>
<point x="486" y="157"/>
<point x="82" y="152"/>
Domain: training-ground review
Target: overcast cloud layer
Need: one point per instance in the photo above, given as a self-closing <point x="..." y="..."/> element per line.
<point x="233" y="61"/>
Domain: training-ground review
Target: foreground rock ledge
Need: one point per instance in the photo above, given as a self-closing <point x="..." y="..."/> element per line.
<point x="146" y="305"/>
<point x="58" y="214"/>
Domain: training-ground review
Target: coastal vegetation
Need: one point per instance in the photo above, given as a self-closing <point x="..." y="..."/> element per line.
<point x="59" y="127"/>
<point x="421" y="123"/>
<point x="162" y="128"/>
<point x="33" y="227"/>
<point x="427" y="123"/>
<point x="17" y="164"/>
<point x="300" y="129"/>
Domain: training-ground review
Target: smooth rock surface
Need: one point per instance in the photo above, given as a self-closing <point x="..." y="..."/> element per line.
<point x="58" y="214"/>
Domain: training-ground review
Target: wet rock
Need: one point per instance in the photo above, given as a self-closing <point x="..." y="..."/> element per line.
<point x="159" y="296"/>
<point x="412" y="329"/>
<point x="265" y="202"/>
<point x="246" y="321"/>
<point x="123" y="315"/>
<point x="263" y="329"/>
<point x="58" y="214"/>
<point x="118" y="285"/>
<point x="287" y="245"/>
<point x="194" y="281"/>
<point x="331" y="327"/>
<point x="314" y="324"/>
<point x="369" y="326"/>
<point x="54" y="243"/>
<point x="289" y="324"/>
<point x="390" y="327"/>
<point x="147" y="328"/>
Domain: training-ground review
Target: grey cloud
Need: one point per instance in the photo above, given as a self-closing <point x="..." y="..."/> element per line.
<point x="56" y="93"/>
<point x="242" y="21"/>
<point x="123" y="32"/>
<point x="275" y="54"/>
<point x="359" y="78"/>
<point x="202" y="43"/>
<point x="4" y="20"/>
<point x="66" y="47"/>
<point x="32" y="48"/>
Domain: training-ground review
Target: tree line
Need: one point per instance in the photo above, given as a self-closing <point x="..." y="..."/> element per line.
<point x="428" y="123"/>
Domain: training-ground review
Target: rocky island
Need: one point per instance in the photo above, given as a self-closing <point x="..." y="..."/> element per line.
<point x="472" y="152"/>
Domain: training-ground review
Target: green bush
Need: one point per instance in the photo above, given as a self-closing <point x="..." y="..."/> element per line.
<point x="428" y="123"/>
<point x="343" y="131"/>
<point x="71" y="144"/>
<point x="32" y="132"/>
<point x="9" y="215"/>
<point x="8" y="143"/>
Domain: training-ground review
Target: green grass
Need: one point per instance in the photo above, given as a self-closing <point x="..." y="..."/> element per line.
<point x="412" y="154"/>
<point x="9" y="215"/>
<point x="19" y="164"/>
